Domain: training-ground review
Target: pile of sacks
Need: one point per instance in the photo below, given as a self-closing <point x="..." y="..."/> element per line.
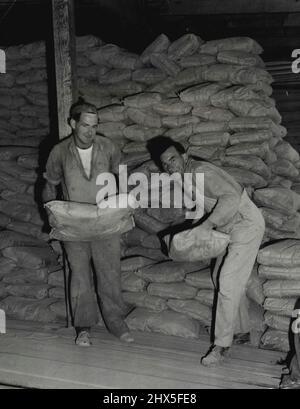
<point x="25" y="94"/>
<point x="19" y="211"/>
<point x="174" y="298"/>
<point x="24" y="110"/>
<point x="215" y="98"/>
<point x="26" y="285"/>
<point x="31" y="275"/>
<point x="279" y="271"/>
<point x="27" y="261"/>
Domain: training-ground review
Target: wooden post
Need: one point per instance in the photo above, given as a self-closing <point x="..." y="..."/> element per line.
<point x="65" y="61"/>
<point x="66" y="83"/>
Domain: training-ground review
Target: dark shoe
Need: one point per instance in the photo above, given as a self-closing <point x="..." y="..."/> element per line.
<point x="214" y="356"/>
<point x="241" y="338"/>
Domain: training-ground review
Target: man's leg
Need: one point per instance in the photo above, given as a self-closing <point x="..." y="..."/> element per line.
<point x="242" y="324"/>
<point x="234" y="276"/>
<point x="246" y="238"/>
<point x="106" y="257"/>
<point x="82" y="297"/>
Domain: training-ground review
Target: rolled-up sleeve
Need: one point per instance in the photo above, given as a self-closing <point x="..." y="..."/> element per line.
<point x="54" y="171"/>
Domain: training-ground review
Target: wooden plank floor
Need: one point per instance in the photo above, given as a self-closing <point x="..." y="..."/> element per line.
<point x="34" y="355"/>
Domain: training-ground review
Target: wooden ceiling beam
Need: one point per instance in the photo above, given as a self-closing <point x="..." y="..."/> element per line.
<point x="196" y="7"/>
<point x="65" y="61"/>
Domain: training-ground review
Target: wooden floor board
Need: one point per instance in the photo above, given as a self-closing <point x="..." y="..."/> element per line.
<point x="119" y="359"/>
<point x="44" y="356"/>
<point x="184" y="356"/>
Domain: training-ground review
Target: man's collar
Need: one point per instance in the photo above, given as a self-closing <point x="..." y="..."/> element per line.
<point x="96" y="144"/>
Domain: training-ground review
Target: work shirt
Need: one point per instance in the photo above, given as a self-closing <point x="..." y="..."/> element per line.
<point x="65" y="167"/>
<point x="222" y="194"/>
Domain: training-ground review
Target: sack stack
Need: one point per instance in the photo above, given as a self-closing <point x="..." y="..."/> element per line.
<point x="170" y="297"/>
<point x="24" y="92"/>
<point x="31" y="277"/>
<point x="26" y="257"/>
<point x="24" y="111"/>
<point x="215" y="98"/>
<point x="280" y="271"/>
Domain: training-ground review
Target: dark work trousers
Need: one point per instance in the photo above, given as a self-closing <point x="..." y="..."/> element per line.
<point x="105" y="255"/>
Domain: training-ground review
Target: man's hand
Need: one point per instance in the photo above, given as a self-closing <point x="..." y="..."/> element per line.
<point x="207" y="225"/>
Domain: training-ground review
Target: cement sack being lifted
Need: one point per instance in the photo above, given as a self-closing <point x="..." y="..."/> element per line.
<point x="71" y="221"/>
<point x="189" y="245"/>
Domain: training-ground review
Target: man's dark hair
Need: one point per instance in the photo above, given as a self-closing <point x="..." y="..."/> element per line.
<point x="158" y="145"/>
<point x="81" y="106"/>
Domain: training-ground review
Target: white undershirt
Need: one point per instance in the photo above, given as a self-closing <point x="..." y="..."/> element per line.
<point x="86" y="159"/>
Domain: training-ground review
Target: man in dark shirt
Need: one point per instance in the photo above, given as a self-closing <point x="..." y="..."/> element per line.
<point x="230" y="211"/>
<point x="75" y="163"/>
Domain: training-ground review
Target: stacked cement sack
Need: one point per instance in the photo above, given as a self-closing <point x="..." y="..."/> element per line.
<point x="26" y="258"/>
<point x="172" y="298"/>
<point x="280" y="272"/>
<point x="215" y="98"/>
<point x="24" y="96"/>
<point x="31" y="277"/>
<point x="25" y="286"/>
<point x="24" y="106"/>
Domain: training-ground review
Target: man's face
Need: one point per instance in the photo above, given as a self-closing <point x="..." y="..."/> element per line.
<point x="85" y="130"/>
<point x="172" y="161"/>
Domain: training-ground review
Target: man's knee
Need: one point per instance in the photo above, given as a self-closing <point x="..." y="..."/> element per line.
<point x="258" y="229"/>
<point x="261" y="224"/>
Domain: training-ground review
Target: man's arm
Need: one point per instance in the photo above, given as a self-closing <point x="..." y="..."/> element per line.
<point x="49" y="192"/>
<point x="227" y="194"/>
<point x="53" y="175"/>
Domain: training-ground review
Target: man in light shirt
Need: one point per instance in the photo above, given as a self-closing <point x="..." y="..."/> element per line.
<point x="229" y="210"/>
<point x="74" y="163"/>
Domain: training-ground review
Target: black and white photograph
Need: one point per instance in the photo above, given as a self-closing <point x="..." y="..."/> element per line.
<point x="149" y="197"/>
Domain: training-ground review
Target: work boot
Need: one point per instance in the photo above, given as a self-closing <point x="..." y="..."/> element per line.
<point x="127" y="337"/>
<point x="214" y="356"/>
<point x="83" y="338"/>
<point x="288" y="382"/>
